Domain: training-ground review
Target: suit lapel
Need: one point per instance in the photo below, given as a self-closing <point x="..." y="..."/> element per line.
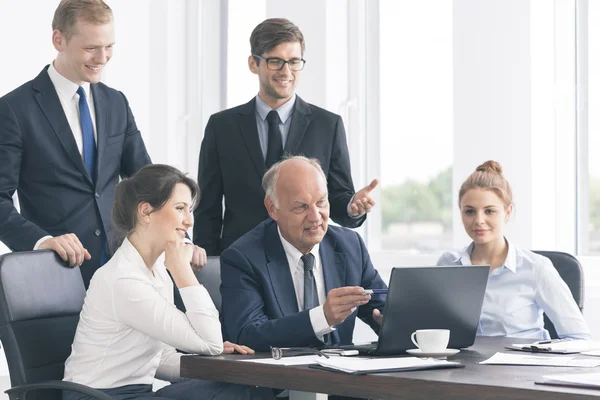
<point x="332" y="264"/>
<point x="249" y="132"/>
<point x="279" y="271"/>
<point x="300" y="121"/>
<point x="101" y="122"/>
<point x="47" y="98"/>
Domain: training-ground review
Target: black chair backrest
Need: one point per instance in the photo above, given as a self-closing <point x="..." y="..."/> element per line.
<point x="571" y="272"/>
<point x="210" y="277"/>
<point x="40" y="302"/>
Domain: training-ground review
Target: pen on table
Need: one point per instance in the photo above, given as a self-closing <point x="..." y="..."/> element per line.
<point x="547" y="341"/>
<point x="375" y="291"/>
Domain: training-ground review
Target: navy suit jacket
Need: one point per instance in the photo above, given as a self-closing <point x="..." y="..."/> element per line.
<point x="41" y="161"/>
<point x="258" y="296"/>
<point x="232" y="165"/>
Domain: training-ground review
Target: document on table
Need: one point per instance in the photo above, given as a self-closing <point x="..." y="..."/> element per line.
<point x="557" y="346"/>
<point x="359" y="365"/>
<point x="297" y="360"/>
<point x="521" y="359"/>
<point x="578" y="380"/>
<point x="595" y="353"/>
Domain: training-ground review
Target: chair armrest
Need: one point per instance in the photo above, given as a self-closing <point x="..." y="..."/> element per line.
<point x="16" y="392"/>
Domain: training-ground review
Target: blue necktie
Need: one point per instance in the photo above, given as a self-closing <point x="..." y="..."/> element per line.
<point x="89" y="152"/>
<point x="87" y="130"/>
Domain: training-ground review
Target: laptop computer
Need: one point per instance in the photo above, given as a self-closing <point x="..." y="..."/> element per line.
<point x="447" y="297"/>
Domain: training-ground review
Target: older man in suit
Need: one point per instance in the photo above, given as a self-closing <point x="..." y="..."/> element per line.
<point x="292" y="280"/>
<point x="65" y="139"/>
<point x="241" y="143"/>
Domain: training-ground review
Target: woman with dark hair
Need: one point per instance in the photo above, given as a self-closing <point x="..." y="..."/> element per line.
<point x="129" y="327"/>
<point x="522" y="285"/>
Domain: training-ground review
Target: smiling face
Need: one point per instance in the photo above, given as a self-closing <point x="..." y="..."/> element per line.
<point x="484" y="215"/>
<point x="277" y="87"/>
<point x="302" y="209"/>
<point x="173" y="219"/>
<point x="82" y="57"/>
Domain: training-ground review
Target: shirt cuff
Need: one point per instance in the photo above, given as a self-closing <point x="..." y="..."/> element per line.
<point x="319" y="322"/>
<point x="348" y="209"/>
<point x="39" y="242"/>
<point x="197" y="298"/>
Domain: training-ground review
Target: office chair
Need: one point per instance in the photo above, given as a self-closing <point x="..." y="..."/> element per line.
<point x="571" y="272"/>
<point x="40" y="302"/>
<point x="210" y="277"/>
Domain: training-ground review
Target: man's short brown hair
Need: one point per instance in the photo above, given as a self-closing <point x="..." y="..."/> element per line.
<point x="272" y="32"/>
<point x="70" y="11"/>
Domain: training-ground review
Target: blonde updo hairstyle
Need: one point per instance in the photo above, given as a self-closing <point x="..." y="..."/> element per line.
<point x="488" y="176"/>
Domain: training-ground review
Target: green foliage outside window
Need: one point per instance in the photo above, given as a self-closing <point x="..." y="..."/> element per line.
<point x="413" y="201"/>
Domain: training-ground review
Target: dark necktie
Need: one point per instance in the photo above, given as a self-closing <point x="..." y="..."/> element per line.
<point x="89" y="153"/>
<point x="87" y="130"/>
<point x="311" y="297"/>
<point x="275" y="144"/>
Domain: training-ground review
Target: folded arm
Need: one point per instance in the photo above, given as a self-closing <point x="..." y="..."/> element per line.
<point x="139" y="305"/>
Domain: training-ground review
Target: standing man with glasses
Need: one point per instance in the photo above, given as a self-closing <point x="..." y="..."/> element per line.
<point x="241" y="143"/>
<point x="65" y="139"/>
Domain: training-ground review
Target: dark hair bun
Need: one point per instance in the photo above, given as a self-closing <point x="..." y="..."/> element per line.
<point x="490" y="166"/>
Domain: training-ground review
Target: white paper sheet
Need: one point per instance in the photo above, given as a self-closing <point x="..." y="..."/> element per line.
<point x="563" y="345"/>
<point x="359" y="364"/>
<point x="298" y="360"/>
<point x="526" y="359"/>
<point x="595" y="353"/>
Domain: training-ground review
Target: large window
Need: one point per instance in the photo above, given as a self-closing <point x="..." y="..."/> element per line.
<point x="590" y="137"/>
<point x="416" y="125"/>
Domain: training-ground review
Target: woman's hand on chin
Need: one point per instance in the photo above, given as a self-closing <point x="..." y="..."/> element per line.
<point x="229" y="348"/>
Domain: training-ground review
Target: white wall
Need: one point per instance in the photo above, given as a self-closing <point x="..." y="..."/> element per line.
<point x="492" y="102"/>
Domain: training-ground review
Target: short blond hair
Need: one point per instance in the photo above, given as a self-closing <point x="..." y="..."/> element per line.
<point x="69" y="12"/>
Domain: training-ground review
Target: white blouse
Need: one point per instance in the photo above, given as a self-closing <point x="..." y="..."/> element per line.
<point x="129" y="327"/>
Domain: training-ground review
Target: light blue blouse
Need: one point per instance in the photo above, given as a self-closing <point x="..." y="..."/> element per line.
<point x="519" y="292"/>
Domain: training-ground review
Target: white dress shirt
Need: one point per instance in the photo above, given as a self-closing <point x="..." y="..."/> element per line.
<point x="519" y="292"/>
<point x="317" y="314"/>
<point x="129" y="328"/>
<point x="285" y="115"/>
<point x="69" y="100"/>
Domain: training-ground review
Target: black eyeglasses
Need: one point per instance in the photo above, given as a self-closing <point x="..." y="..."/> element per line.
<point x="276" y="64"/>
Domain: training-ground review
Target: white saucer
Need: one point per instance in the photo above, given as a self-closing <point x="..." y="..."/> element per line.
<point x="444" y="353"/>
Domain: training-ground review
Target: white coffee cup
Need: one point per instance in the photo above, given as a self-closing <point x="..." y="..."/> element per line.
<point x="431" y="340"/>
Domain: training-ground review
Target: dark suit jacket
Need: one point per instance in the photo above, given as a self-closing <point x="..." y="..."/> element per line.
<point x="232" y="165"/>
<point x="259" y="305"/>
<point x="41" y="161"/>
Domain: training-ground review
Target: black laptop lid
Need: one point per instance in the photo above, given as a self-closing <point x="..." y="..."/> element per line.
<point x="432" y="298"/>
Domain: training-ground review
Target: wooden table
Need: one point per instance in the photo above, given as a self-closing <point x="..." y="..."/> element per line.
<point x="475" y="381"/>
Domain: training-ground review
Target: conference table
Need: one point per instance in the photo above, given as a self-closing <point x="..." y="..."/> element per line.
<point x="475" y="381"/>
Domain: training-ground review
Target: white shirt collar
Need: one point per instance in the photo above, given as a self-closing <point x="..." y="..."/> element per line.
<point x="134" y="257"/>
<point x="294" y="254"/>
<point x="65" y="87"/>
<point x="285" y="110"/>
<point x="510" y="263"/>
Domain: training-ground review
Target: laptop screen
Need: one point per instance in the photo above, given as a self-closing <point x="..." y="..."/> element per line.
<point x="447" y="297"/>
